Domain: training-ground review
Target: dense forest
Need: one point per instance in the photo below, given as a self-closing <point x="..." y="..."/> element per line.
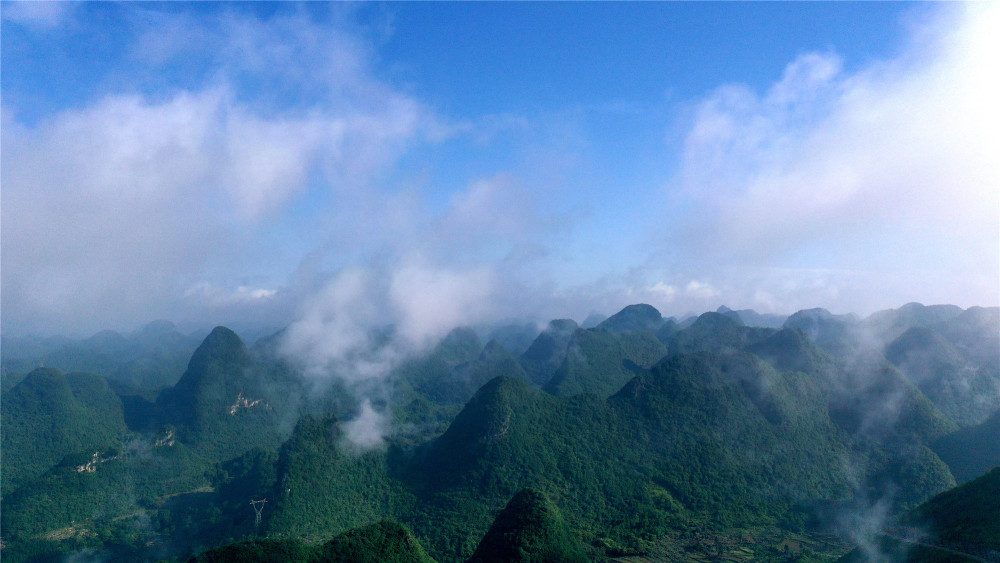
<point x="729" y="436"/>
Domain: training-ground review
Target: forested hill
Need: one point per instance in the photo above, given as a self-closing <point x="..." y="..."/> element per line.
<point x="724" y="436"/>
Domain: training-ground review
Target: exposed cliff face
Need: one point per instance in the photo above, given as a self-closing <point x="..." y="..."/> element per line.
<point x="242" y="402"/>
<point x="96" y="461"/>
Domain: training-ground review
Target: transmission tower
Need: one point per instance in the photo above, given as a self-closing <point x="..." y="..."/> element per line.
<point x="258" y="506"/>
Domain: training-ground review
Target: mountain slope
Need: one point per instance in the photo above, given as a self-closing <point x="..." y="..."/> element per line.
<point x="632" y="318"/>
<point x="226" y="402"/>
<point x="835" y="334"/>
<point x="964" y="388"/>
<point x="548" y="351"/>
<point x="713" y="437"/>
<point x="714" y="332"/>
<point x="891" y="323"/>
<point x="323" y="488"/>
<point x="867" y="397"/>
<point x="972" y="451"/>
<point x="600" y="362"/>
<point x="49" y="415"/>
<point x="456" y="383"/>
<point x="438" y="376"/>
<point x="967" y="516"/>
<point x="382" y="542"/>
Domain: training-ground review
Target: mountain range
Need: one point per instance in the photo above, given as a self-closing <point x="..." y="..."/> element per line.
<point x="729" y="433"/>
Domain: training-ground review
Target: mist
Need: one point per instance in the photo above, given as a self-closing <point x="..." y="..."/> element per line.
<point x="363" y="323"/>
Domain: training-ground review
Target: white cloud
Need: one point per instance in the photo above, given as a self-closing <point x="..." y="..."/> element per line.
<point x="37" y="14"/>
<point x="123" y="204"/>
<point x="364" y="321"/>
<point x="700" y="290"/>
<point x="432" y="300"/>
<point x="268" y="161"/>
<point x="213" y="296"/>
<point x="334" y="327"/>
<point x="494" y="207"/>
<point x="665" y="292"/>
<point x="827" y="184"/>
<point x="334" y="333"/>
<point x="367" y="430"/>
<point x="888" y="171"/>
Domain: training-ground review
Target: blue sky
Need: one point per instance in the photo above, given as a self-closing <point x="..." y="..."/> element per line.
<point x="432" y="164"/>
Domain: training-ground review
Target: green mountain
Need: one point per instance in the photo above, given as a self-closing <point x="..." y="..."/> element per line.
<point x="530" y="529"/>
<point x="226" y="403"/>
<point x="324" y="488"/>
<point x="866" y="397"/>
<point x="455" y="380"/>
<point x="516" y="338"/>
<point x="790" y="349"/>
<point x="383" y="542"/>
<point x="723" y="440"/>
<point x="879" y="403"/>
<point x="891" y="323"/>
<point x="835" y="334"/>
<point x="689" y="439"/>
<point x="49" y="415"/>
<point x="632" y="318"/>
<point x="437" y="376"/>
<point x="100" y="495"/>
<point x="260" y="550"/>
<point x="548" y="351"/>
<point x="107" y="477"/>
<point x="951" y="355"/>
<point x="965" y="518"/>
<point x="972" y="451"/>
<point x="712" y="417"/>
<point x="965" y="391"/>
<point x="492" y="362"/>
<point x="714" y="332"/>
<point x="598" y="361"/>
<point x="509" y="436"/>
<point x="975" y="331"/>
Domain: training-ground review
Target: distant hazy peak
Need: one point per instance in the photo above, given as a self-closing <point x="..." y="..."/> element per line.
<point x="222" y="345"/>
<point x="561" y="326"/>
<point x="634" y="317"/>
<point x="593" y="320"/>
<point x="493" y="351"/>
<point x="716" y="320"/>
